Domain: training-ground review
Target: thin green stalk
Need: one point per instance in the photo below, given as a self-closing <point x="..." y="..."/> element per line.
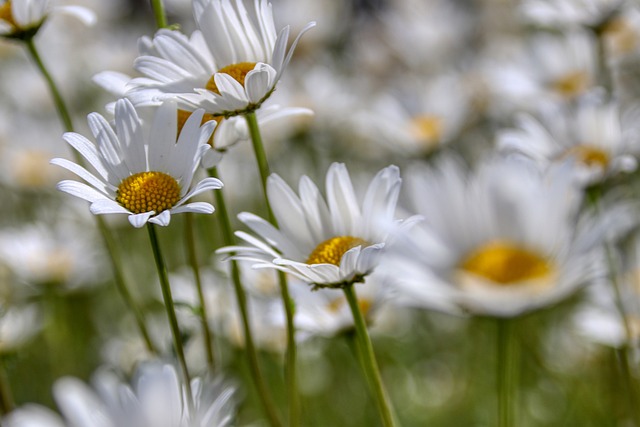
<point x="252" y="356"/>
<point x="65" y="118"/>
<point x="121" y="285"/>
<point x="159" y="13"/>
<point x="7" y="404"/>
<point x="623" y="360"/>
<point x="289" y="308"/>
<point x="63" y="111"/>
<point x="629" y="384"/>
<point x="171" y="313"/>
<point x="368" y="360"/>
<point x="505" y="372"/>
<point x="193" y="262"/>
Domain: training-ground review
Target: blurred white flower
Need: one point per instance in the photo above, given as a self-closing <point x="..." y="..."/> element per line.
<point x="18" y="324"/>
<point x="570" y="13"/>
<point x="431" y="115"/>
<point x="57" y="254"/>
<point x="602" y="139"/>
<point x="156" y="399"/>
<point x="551" y="69"/>
<point x="145" y="176"/>
<point x="326" y="244"/>
<point x="500" y="241"/>
<point x="23" y="18"/>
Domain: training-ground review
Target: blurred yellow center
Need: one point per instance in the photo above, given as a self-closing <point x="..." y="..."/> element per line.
<point x="572" y="84"/>
<point x="589" y="155"/>
<point x="237" y="71"/>
<point x="505" y="263"/>
<point x="184" y="115"/>
<point x="331" y="251"/>
<point x="5" y="13"/>
<point x="148" y="191"/>
<point x="427" y="129"/>
<point x="336" y="304"/>
<point x="621" y="35"/>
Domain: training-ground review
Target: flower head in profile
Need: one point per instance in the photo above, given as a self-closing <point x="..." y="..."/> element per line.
<point x="229" y="66"/>
<point x="22" y="19"/>
<point x="328" y="243"/>
<point x="147" y="176"/>
<point x="500" y="241"/>
<point x="155" y="399"/>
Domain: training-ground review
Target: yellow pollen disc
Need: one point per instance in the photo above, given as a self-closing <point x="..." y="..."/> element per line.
<point x="427" y="129"/>
<point x="148" y="191"/>
<point x="331" y="251"/>
<point x="571" y="84"/>
<point x="237" y="71"/>
<point x="184" y="115"/>
<point x="5" y="13"/>
<point x="589" y="155"/>
<point x="505" y="263"/>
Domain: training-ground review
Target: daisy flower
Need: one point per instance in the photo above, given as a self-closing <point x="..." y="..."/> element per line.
<point x="550" y="69"/>
<point x="229" y="66"/>
<point x="329" y="243"/>
<point x="570" y="13"/>
<point x="432" y="115"/>
<point x="23" y="18"/>
<point x="145" y="176"/>
<point x="499" y="242"/>
<point x="594" y="132"/>
<point x="156" y="399"/>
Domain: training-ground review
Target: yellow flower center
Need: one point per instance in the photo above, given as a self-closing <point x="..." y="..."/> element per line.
<point x="184" y="115"/>
<point x="237" y="71"/>
<point x="6" y="15"/>
<point x="427" y="129"/>
<point x="589" y="155"/>
<point x="504" y="263"/>
<point x="331" y="251"/>
<point x="148" y="191"/>
<point x="571" y="84"/>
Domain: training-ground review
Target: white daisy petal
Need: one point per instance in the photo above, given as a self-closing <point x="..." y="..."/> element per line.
<point x="139" y="220"/>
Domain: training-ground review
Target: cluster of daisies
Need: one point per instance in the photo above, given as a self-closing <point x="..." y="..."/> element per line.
<point x="515" y="187"/>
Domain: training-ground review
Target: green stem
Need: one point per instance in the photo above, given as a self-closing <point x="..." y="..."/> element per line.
<point x="7" y="404"/>
<point x="63" y="111"/>
<point x="261" y="157"/>
<point x="252" y="356"/>
<point x="159" y="13"/>
<point x="289" y="308"/>
<point x="118" y="277"/>
<point x="505" y="372"/>
<point x="171" y="313"/>
<point x="193" y="262"/>
<point x="368" y="360"/>
<point x="629" y="384"/>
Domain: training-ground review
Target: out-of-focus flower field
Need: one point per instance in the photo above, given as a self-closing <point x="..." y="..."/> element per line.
<point x="471" y="173"/>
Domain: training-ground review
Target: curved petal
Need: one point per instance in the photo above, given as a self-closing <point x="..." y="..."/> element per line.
<point x="138" y="220"/>
<point x="163" y="219"/>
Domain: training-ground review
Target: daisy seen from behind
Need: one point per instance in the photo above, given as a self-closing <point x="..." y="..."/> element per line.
<point x="145" y="175"/>
<point x="500" y="241"/>
<point x="329" y="243"/>
<point x="22" y="18"/>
